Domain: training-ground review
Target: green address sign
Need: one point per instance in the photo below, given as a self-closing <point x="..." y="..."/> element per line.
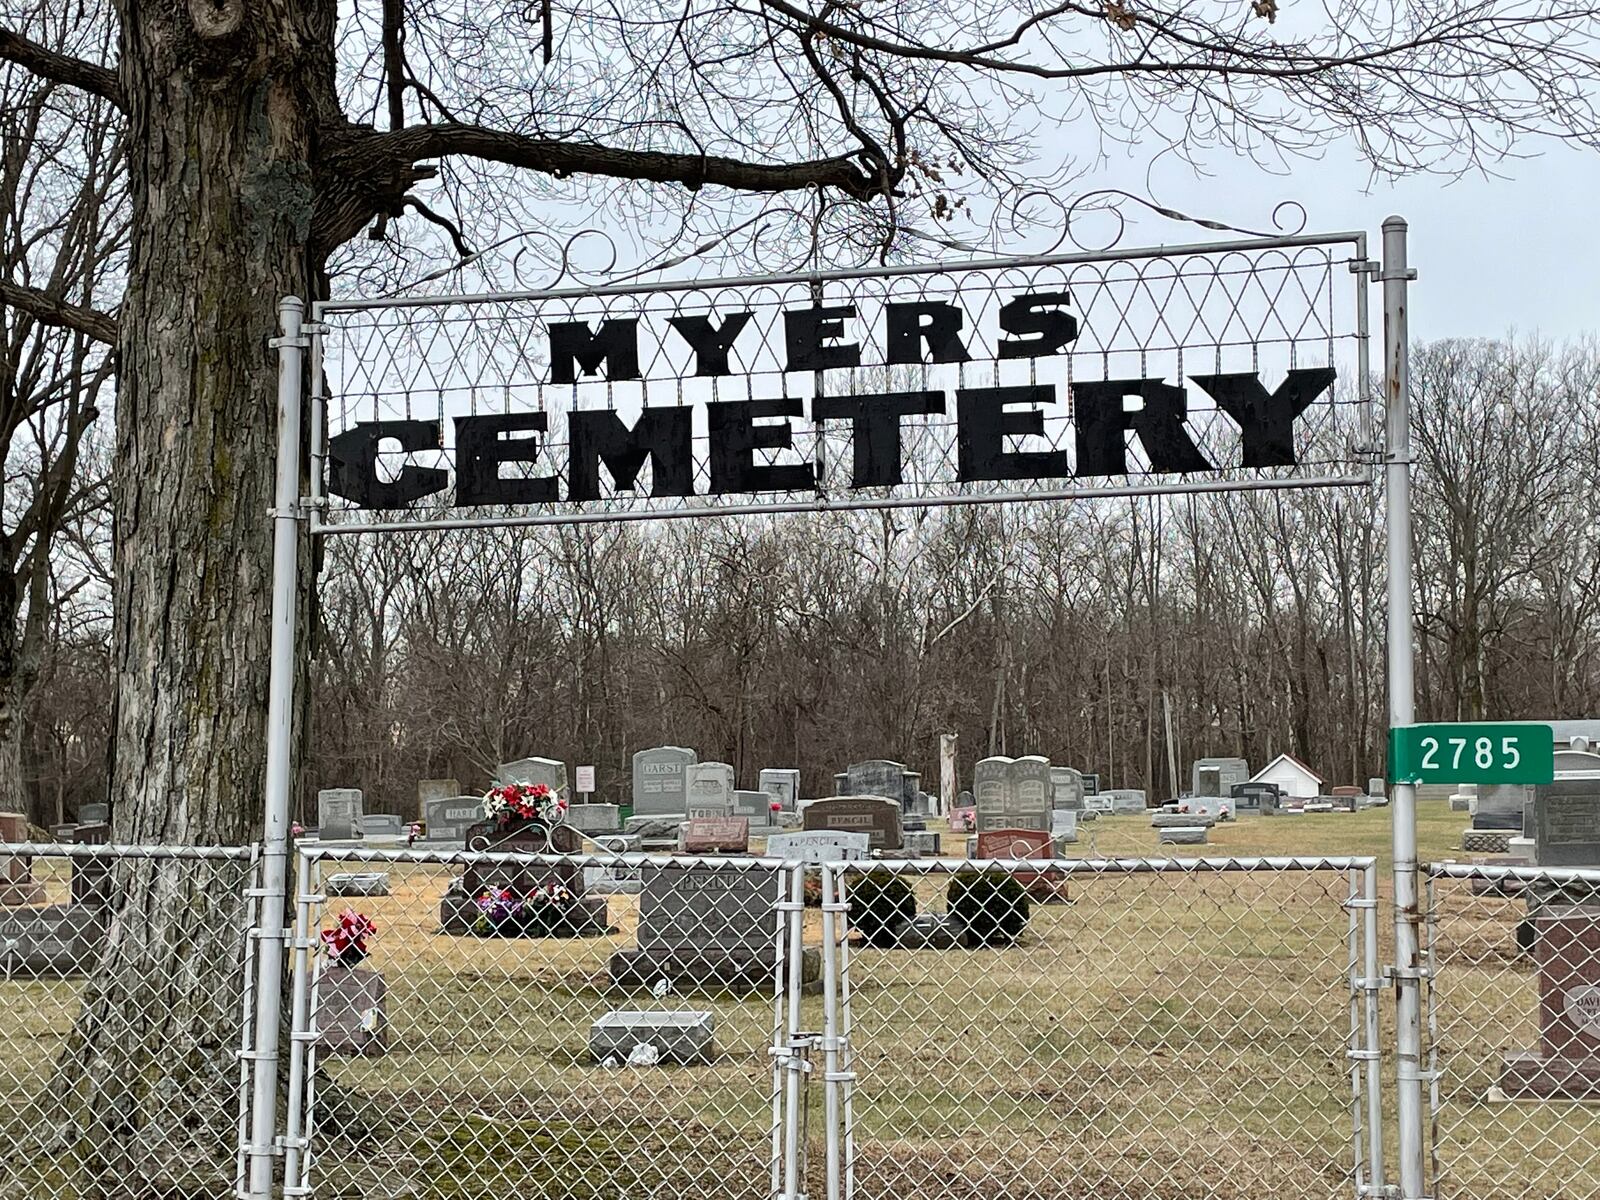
<point x="1506" y="752"/>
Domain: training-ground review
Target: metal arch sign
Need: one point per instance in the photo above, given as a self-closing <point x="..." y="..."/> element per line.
<point x="1196" y="368"/>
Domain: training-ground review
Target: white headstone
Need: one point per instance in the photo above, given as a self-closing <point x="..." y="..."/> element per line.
<point x="710" y="790"/>
<point x="783" y="785"/>
<point x="819" y="846"/>
<point x="547" y="771"/>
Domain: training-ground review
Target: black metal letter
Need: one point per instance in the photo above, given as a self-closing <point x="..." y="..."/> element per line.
<point x="982" y="425"/>
<point x="710" y="345"/>
<point x="1266" y="419"/>
<point x="934" y="321"/>
<point x="480" y="450"/>
<point x="804" y="331"/>
<point x="664" y="435"/>
<point x="1037" y="314"/>
<point x="735" y="438"/>
<point x="353" y="464"/>
<point x="876" y="429"/>
<point x="1159" y="423"/>
<point x="573" y="344"/>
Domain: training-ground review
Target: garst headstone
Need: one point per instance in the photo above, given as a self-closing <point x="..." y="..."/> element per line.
<point x="783" y="785"/>
<point x="1566" y="1066"/>
<point x="661" y="781"/>
<point x="705" y="926"/>
<point x="873" y="815"/>
<point x="339" y="815"/>
<point x="711" y="790"/>
<point x="17" y="884"/>
<point x="547" y="771"/>
<point x="716" y="835"/>
<point x="448" y="819"/>
<point x="819" y="846"/>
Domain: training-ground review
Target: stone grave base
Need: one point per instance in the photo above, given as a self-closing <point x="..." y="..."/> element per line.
<point x="63" y="939"/>
<point x="711" y="969"/>
<point x="358" y="883"/>
<point x="1531" y="1076"/>
<point x="1182" y="835"/>
<point x="350" y="1012"/>
<point x="587" y="916"/>
<point x="1181" y="820"/>
<point x="684" y="1037"/>
<point x="21" y="893"/>
<point x="1486" y="841"/>
<point x="930" y="931"/>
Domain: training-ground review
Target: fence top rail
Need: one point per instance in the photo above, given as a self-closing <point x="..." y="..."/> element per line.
<point x="1488" y="871"/>
<point x="1356" y="239"/>
<point x="927" y="866"/>
<point x="118" y="850"/>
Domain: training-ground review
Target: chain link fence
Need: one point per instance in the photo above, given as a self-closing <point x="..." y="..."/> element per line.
<point x="125" y="989"/>
<point x="1513" y="1022"/>
<point x="1111" y="1028"/>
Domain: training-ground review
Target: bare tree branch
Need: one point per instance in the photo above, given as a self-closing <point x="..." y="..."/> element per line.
<point x="42" y="306"/>
<point x="61" y="68"/>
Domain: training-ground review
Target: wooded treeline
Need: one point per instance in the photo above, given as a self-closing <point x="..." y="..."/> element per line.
<point x="1253" y="623"/>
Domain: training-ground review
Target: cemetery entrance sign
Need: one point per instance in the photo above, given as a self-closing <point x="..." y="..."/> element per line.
<point x="1235" y="365"/>
<point x="1191" y="368"/>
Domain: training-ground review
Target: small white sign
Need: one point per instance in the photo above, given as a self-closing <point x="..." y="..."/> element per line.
<point x="585" y="780"/>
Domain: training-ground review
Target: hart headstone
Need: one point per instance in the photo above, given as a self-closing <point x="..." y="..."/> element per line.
<point x="17" y="884"/>
<point x="878" y="818"/>
<point x="449" y="819"/>
<point x="661" y="781"/>
<point x="535" y="771"/>
<point x="339" y="814"/>
<point x="783" y="785"/>
<point x="711" y="790"/>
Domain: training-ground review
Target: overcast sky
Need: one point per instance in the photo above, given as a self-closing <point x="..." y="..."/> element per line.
<point x="1520" y="252"/>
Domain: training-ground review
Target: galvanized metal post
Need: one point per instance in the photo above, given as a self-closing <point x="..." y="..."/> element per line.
<point x="280" y="721"/>
<point x="1402" y="709"/>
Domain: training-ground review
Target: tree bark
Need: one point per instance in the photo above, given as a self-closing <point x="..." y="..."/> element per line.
<point x="223" y="102"/>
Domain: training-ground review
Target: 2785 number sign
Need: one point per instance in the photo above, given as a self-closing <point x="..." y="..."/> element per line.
<point x="1514" y="752"/>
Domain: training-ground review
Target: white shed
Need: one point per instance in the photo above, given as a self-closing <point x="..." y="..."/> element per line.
<point x="1293" y="777"/>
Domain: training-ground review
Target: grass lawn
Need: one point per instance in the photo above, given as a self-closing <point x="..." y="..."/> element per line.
<point x="1155" y="1036"/>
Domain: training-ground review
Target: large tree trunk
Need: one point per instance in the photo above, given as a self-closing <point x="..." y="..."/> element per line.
<point x="222" y="107"/>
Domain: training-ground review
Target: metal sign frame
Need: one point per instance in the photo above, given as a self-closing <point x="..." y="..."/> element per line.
<point x="295" y="515"/>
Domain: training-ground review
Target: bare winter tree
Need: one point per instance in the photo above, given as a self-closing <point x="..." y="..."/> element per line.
<point x="261" y="138"/>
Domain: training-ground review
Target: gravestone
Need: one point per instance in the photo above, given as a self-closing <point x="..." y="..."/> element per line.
<point x="1096" y="802"/>
<point x="819" y="846"/>
<point x="661" y="781"/>
<point x="91" y="877"/>
<point x="1499" y="805"/>
<point x="339" y="814"/>
<point x="350" y="1012"/>
<point x="1182" y="835"/>
<point x="1566" y="823"/>
<point x="680" y="1036"/>
<point x="1014" y="843"/>
<point x="921" y="843"/>
<point x="1066" y="788"/>
<point x="60" y="940"/>
<point x="711" y="790"/>
<point x="1091" y="782"/>
<point x="449" y="819"/>
<point x="1255" y="797"/>
<point x="1064" y="826"/>
<point x="1566" y="1066"/>
<point x="382" y="825"/>
<point x="535" y="771"/>
<point x="755" y="807"/>
<point x="1124" y="801"/>
<point x="17" y="884"/>
<point x="61" y="834"/>
<point x="1180" y="820"/>
<point x="459" y="909"/>
<point x="357" y="883"/>
<point x="783" y="785"/>
<point x="875" y="777"/>
<point x="94" y="814"/>
<point x="594" y="819"/>
<point x="1013" y="793"/>
<point x="1376" y="788"/>
<point x="1217" y="776"/>
<point x="1218" y="808"/>
<point x="705" y="926"/>
<point x="613" y="879"/>
<point x="716" y="835"/>
<point x="436" y="789"/>
<point x="875" y="816"/>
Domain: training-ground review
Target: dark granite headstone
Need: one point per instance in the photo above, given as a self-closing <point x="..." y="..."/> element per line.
<point x="717" y="835"/>
<point x="1566" y="1066"/>
<point x="62" y="939"/>
<point x="91" y="877"/>
<point x="872" y="815"/>
<point x="350" y="1012"/>
<point x="1566" y="823"/>
<point x="17" y="884"/>
<point x="459" y="911"/>
<point x="1255" y="797"/>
